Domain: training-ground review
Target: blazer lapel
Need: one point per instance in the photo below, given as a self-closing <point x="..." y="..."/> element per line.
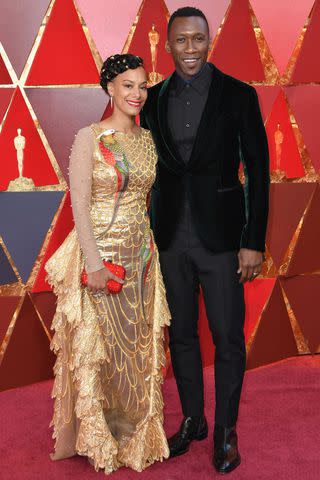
<point x="209" y="116"/>
<point x="163" y="123"/>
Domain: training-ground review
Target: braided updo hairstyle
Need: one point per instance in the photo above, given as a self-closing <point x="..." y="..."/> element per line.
<point x="117" y="64"/>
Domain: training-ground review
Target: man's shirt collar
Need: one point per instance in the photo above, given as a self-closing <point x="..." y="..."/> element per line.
<point x="199" y="82"/>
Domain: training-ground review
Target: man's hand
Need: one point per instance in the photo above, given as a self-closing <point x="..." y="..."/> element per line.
<point x="250" y="263"/>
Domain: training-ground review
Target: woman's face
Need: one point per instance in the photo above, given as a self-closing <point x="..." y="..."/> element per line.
<point x="129" y="91"/>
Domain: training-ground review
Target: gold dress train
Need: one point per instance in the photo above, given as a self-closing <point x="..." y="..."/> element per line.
<point x="107" y="390"/>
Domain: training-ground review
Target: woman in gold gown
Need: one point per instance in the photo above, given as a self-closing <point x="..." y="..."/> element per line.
<point x="109" y="347"/>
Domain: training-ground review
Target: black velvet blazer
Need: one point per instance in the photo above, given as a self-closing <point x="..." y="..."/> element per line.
<point x="226" y="215"/>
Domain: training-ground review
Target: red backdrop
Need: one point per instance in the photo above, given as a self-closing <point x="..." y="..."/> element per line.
<point x="49" y="73"/>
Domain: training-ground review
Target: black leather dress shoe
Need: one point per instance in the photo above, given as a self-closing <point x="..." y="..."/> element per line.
<point x="192" y="428"/>
<point x="226" y="455"/>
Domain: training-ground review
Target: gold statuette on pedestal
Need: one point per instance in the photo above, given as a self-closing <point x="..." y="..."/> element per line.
<point x="154" y="37"/>
<point x="278" y="175"/>
<point x="21" y="183"/>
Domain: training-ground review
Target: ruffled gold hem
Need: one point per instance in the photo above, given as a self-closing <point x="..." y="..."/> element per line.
<point x="79" y="422"/>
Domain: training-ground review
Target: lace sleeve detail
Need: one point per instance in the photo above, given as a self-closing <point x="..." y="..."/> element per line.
<point x="80" y="171"/>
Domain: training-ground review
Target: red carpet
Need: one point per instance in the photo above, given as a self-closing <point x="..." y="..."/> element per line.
<point x="278" y="427"/>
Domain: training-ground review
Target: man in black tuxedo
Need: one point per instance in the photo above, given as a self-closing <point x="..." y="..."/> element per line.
<point x="209" y="231"/>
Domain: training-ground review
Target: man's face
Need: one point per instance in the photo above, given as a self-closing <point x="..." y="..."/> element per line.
<point x="188" y="42"/>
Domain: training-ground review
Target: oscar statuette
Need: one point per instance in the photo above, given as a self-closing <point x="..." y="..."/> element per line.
<point x="154" y="37"/>
<point x="278" y="175"/>
<point x="20" y="183"/>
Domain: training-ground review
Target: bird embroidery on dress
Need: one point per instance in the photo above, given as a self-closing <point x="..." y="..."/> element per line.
<point x="146" y="253"/>
<point x="115" y="157"/>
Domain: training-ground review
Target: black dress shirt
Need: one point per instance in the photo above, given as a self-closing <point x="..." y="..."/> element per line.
<point x="185" y="106"/>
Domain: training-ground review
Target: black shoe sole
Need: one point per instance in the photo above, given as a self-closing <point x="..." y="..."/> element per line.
<point x="182" y="452"/>
<point x="229" y="469"/>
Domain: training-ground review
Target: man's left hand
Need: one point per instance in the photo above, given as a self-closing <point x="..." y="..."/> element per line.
<point x="250" y="264"/>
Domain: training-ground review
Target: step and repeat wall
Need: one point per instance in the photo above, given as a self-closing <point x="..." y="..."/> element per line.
<point x="50" y="56"/>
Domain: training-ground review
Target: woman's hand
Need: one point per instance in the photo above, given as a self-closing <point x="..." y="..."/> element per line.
<point x="97" y="281"/>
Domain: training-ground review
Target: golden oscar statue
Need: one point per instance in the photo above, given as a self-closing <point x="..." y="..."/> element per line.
<point x="20" y="183"/>
<point x="278" y="174"/>
<point x="154" y="38"/>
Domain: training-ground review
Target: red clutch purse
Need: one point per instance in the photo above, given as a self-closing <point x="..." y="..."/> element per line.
<point x="117" y="270"/>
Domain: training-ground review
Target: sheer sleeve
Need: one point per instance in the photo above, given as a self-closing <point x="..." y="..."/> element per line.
<point x="80" y="171"/>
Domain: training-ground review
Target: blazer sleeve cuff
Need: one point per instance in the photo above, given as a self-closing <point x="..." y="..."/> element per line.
<point x="252" y="240"/>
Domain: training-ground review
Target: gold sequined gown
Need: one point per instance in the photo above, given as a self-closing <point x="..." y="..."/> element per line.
<point x="107" y="390"/>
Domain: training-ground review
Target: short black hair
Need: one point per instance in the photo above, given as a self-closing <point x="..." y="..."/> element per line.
<point x="118" y="64"/>
<point x="186" y="12"/>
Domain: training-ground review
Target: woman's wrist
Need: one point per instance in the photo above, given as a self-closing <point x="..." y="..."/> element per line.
<point x="92" y="268"/>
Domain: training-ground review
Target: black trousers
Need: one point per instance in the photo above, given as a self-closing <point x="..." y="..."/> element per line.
<point x="185" y="266"/>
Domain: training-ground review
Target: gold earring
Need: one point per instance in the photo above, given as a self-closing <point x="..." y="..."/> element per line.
<point x="111" y="101"/>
